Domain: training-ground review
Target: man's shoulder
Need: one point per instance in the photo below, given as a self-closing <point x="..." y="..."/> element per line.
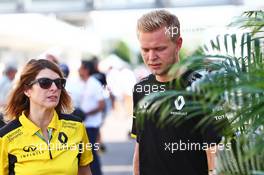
<point x="92" y="81"/>
<point x="146" y="80"/>
<point x="93" y="85"/>
<point x="190" y="76"/>
<point x="101" y="77"/>
<point x="144" y="87"/>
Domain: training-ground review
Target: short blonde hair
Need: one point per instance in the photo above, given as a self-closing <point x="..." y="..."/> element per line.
<point x="157" y="19"/>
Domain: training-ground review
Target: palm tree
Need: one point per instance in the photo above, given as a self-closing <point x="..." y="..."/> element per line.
<point x="233" y="90"/>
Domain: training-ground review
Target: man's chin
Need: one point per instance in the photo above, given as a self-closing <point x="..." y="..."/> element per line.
<point x="159" y="72"/>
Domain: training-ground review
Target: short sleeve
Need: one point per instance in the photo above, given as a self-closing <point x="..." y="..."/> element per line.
<point x="86" y="156"/>
<point x="3" y="158"/>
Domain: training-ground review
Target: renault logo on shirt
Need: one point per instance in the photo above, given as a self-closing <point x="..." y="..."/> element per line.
<point x="179" y="102"/>
<point x="144" y="106"/>
<point x="63" y="138"/>
<point x="29" y="148"/>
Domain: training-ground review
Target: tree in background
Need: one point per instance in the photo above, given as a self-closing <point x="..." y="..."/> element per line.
<point x="122" y="50"/>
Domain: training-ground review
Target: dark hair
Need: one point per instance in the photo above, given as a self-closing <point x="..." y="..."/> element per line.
<point x="10" y="68"/>
<point x="94" y="59"/>
<point x="89" y="65"/>
<point x="65" y="70"/>
<point x="19" y="102"/>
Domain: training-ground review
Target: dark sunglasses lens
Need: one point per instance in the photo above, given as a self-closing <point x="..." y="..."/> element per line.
<point x="45" y="83"/>
<point x="60" y="83"/>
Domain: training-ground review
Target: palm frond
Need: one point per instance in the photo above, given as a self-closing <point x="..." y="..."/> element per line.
<point x="231" y="95"/>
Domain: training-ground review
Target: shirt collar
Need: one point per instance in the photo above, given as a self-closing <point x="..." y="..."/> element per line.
<point x="55" y="121"/>
<point x="32" y="128"/>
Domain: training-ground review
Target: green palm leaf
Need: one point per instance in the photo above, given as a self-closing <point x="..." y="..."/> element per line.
<point x="233" y="90"/>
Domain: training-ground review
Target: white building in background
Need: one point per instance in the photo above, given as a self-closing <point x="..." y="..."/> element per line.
<point x="28" y="34"/>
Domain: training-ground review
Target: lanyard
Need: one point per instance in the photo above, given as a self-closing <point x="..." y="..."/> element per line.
<point x="43" y="138"/>
<point x="47" y="141"/>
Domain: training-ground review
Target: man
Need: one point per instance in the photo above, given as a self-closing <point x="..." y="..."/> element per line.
<point x="5" y="86"/>
<point x="160" y="42"/>
<point x="92" y="104"/>
<point x="100" y="76"/>
<point x="6" y="83"/>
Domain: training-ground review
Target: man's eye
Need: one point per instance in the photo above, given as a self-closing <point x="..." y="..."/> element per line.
<point x="160" y="48"/>
<point x="145" y="50"/>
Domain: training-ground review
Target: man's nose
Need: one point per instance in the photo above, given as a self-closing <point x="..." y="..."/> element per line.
<point x="152" y="55"/>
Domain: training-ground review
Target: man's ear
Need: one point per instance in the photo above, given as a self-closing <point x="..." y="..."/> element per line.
<point x="179" y="43"/>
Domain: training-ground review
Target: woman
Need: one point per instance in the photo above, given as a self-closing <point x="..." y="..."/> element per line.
<point x="40" y="139"/>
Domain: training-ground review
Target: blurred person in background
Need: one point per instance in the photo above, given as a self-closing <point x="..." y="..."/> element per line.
<point x="65" y="70"/>
<point x="100" y="76"/>
<point x="40" y="138"/>
<point x="75" y="91"/>
<point x="6" y="83"/>
<point x="52" y="58"/>
<point x="92" y="104"/>
<point x="108" y="97"/>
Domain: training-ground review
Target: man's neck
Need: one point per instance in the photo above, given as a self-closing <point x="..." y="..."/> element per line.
<point x="163" y="78"/>
<point x="169" y="76"/>
<point x="86" y="78"/>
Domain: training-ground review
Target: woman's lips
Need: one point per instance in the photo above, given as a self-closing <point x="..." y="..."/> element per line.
<point x="53" y="98"/>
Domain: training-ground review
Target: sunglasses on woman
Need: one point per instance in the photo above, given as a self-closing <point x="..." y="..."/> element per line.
<point x="45" y="83"/>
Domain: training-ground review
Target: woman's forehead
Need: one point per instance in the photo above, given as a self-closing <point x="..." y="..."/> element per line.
<point x="48" y="73"/>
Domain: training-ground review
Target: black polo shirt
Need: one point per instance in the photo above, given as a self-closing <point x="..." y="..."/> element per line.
<point x="171" y="150"/>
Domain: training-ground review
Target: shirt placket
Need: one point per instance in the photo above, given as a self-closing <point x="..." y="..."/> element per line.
<point x="46" y="141"/>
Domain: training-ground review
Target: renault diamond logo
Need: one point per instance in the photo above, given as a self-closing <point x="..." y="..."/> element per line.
<point x="144" y="106"/>
<point x="63" y="138"/>
<point x="29" y="148"/>
<point x="179" y="102"/>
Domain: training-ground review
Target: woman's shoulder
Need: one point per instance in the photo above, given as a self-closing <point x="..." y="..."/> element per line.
<point x="70" y="117"/>
<point x="11" y="126"/>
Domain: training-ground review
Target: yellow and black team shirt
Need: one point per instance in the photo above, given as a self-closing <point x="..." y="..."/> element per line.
<point x="24" y="151"/>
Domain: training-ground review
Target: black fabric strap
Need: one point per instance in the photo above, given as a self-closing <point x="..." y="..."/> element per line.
<point x="11" y="160"/>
